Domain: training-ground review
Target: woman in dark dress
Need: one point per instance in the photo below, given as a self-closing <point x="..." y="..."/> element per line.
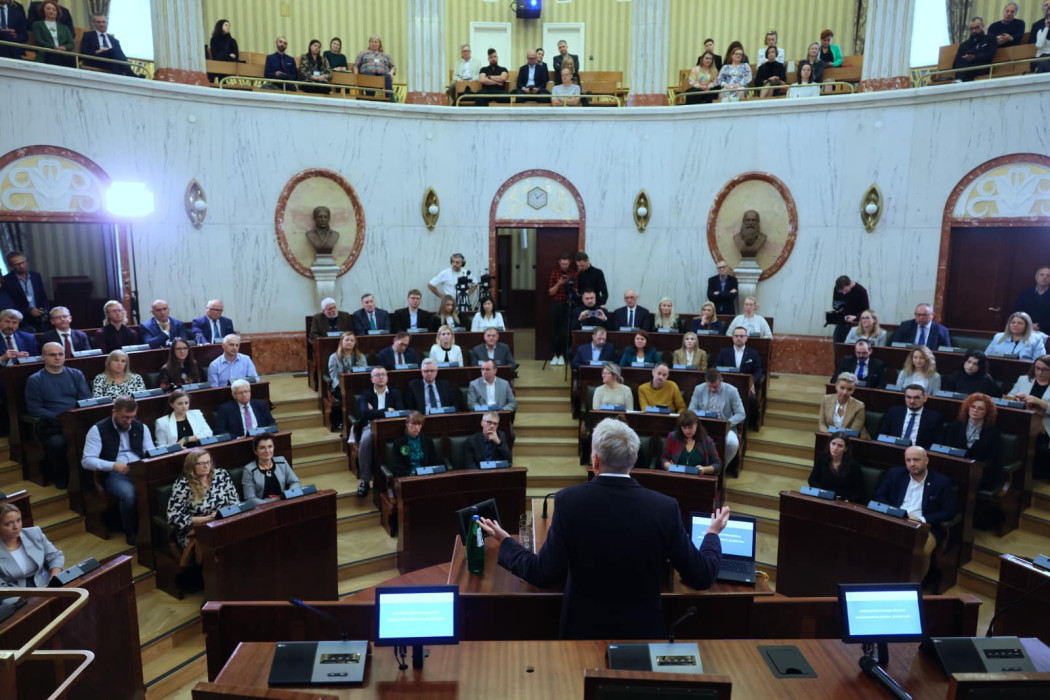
<point x="413" y="449"/>
<point x="181" y="367"/>
<point x="223" y="46"/>
<point x="972" y="377"/>
<point x="771" y="74"/>
<point x="835" y="470"/>
<point x="336" y="59"/>
<point x="974" y="431"/>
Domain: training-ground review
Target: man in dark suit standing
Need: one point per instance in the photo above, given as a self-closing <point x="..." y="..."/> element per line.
<point x="595" y="351"/>
<point x="429" y="392"/>
<point x="25" y="288"/>
<point x="70" y="339"/>
<point x="563" y="51"/>
<point x="98" y="43"/>
<point x="370" y="318"/>
<point x="869" y="370"/>
<point x="631" y="315"/>
<point x="533" y="76"/>
<point x="488" y="445"/>
<point x="918" y="425"/>
<point x="398" y="354"/>
<point x="243" y="413"/>
<point x="329" y="320"/>
<point x="212" y="327"/>
<point x="13" y="27"/>
<point x="160" y="330"/>
<point x="612" y="562"/>
<point x="923" y="330"/>
<point x="412" y="318"/>
<point x="722" y="289"/>
<point x="14" y="344"/>
<point x="493" y="349"/>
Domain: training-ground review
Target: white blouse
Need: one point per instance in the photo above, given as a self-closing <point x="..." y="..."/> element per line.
<point x="437" y="354"/>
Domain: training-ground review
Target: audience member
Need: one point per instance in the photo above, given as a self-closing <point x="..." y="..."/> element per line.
<point x="830" y="54"/>
<point x="927" y="496"/>
<point x="111" y="445"/>
<point x="972" y="377"/>
<point x="923" y="330"/>
<point x="49" y="32"/>
<point x="804" y="84"/>
<point x="612" y="392"/>
<point x="374" y="402"/>
<point x="974" y="430"/>
<point x="159" y="331"/>
<point x="1018" y="338"/>
<point x="231" y="364"/>
<point x="17" y="344"/>
<point x="590" y="277"/>
<point x="445" y="349"/>
<point x="1038" y="36"/>
<point x="771" y="73"/>
<point x="70" y="339"/>
<point x="533" y="76"/>
<point x="490" y="390"/>
<point x="212" y="327"/>
<point x="414" y="449"/>
<point x="666" y="319"/>
<point x="595" y="351"/>
<point x="343" y="360"/>
<point x="703" y="80"/>
<point x="1032" y="389"/>
<point x="116" y="378"/>
<point x="50" y="392"/>
<point x="493" y="78"/>
<point x="563" y="55"/>
<point x="196" y="499"/>
<point x="868" y="329"/>
<point x="709" y="47"/>
<point x="223" y="47"/>
<point x="374" y="62"/>
<point x="566" y="93"/>
<point x="1035" y="301"/>
<point x="771" y="42"/>
<point x="750" y="321"/>
<point x="369" y="317"/>
<point x="562" y="290"/>
<point x="631" y="316"/>
<point x="742" y="358"/>
<point x="920" y="367"/>
<point x="428" y="392"/>
<point x="27" y="557"/>
<point x="335" y="56"/>
<point x="813" y="59"/>
<point x="99" y="43"/>
<point x="834" y="469"/>
<point x="706" y="321"/>
<point x="689" y="445"/>
<point x="840" y="411"/>
<point x="314" y="68"/>
<point x="690" y="355"/>
<point x="1009" y="30"/>
<point x="444" y="283"/>
<point x="715" y="396"/>
<point x="487" y="317"/>
<point x="735" y="73"/>
<point x="183" y="425"/>
<point x="640" y="354"/>
<point x="13" y="28"/>
<point x="65" y="17"/>
<point x="329" y="320"/>
<point x="26" y="290"/>
<point x="661" y="391"/>
<point x="722" y="289"/>
<point x="447" y="315"/>
<point x="467" y="67"/>
<point x="398" y="354"/>
<point x="977" y="51"/>
<point x="490" y="444"/>
<point x="848" y="302"/>
<point x="268" y="476"/>
<point x="493" y="349"/>
<point x="115" y="333"/>
<point x="280" y="66"/>
<point x="589" y="312"/>
<point x="242" y="414"/>
<point x="540" y="53"/>
<point x="913" y="422"/>
<point x="870" y="371"/>
<point x="412" y="317"/>
<point x="181" y="367"/>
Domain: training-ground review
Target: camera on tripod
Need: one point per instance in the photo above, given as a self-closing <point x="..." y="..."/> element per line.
<point x="463" y="284"/>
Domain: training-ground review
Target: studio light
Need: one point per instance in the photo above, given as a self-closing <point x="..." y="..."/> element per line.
<point x="129" y="200"/>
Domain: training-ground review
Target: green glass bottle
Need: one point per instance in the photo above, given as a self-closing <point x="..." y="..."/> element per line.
<point x="476" y="547"/>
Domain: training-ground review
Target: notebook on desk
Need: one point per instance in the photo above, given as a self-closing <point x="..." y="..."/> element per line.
<point x="738" y="545"/>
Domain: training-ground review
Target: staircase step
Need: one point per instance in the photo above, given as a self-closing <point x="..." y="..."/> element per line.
<point x="539" y="431"/>
<point x="365" y="567"/>
<point x="315" y="465"/>
<point x="365" y="550"/>
<point x="299" y="404"/>
<point x="778" y="464"/>
<point x="145" y="583"/>
<point x="62" y="527"/>
<point x="760" y="490"/>
<point x="350" y="586"/>
<point x="529" y="417"/>
<point x="544" y="403"/>
<point x="979" y="578"/>
<point x="156" y="657"/>
<point x="161" y="615"/>
<point x="796" y="404"/>
<point x="1036" y="521"/>
<point x="1020" y="543"/>
<point x="309" y="442"/>
<point x="768" y="518"/>
<point x="546" y="447"/>
<point x="533" y="392"/>
<point x="297" y="420"/>
<point x="791" y="419"/>
<point x="785" y="441"/>
<point x="179" y="681"/>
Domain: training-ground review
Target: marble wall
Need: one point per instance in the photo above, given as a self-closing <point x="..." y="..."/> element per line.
<point x="243" y="147"/>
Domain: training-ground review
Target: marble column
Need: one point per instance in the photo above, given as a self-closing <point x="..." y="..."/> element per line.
<point x="887" y="49"/>
<point x="649" y="44"/>
<point x="426" y="72"/>
<point x="178" y="41"/>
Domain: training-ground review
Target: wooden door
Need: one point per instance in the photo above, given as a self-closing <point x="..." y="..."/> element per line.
<point x="550" y="244"/>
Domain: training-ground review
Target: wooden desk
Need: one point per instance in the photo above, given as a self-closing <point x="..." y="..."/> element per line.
<point x="279" y="550"/>
<point x="21" y="500"/>
<point x="1018" y="577"/>
<point x="686" y="379"/>
<point x="108" y="626"/>
<point x="823" y="543"/>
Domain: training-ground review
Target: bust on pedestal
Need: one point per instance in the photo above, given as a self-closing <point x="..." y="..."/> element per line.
<point x="749" y="240"/>
<point x="323" y="238"/>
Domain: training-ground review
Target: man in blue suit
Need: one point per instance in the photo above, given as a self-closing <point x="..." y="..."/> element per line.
<point x="212" y="327"/>
<point x="15" y="343"/>
<point x="243" y="413"/>
<point x="281" y="67"/>
<point x="160" y="330"/>
<point x="398" y="354"/>
<point x="99" y="43"/>
<point x="70" y="339"/>
<point x="26" y="290"/>
<point x="13" y="27"/>
<point x="913" y="422"/>
<point x="369" y="318"/>
<point x="923" y="330"/>
<point x="533" y="76"/>
<point x="631" y="315"/>
<point x="595" y="351"/>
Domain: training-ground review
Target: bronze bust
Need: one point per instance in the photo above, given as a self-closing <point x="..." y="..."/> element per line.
<point x="750" y="239"/>
<point x="321" y="237"/>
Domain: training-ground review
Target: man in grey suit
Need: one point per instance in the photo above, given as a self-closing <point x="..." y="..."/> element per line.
<point x="490" y="390"/>
<point x="716" y="396"/>
<point x="493" y="350"/>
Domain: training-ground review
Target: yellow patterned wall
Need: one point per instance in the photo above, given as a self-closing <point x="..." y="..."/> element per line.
<point x="992" y="10"/>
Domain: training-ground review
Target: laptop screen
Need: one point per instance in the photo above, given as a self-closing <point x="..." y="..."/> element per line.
<point x="881" y="612"/>
<point x="738" y="536"/>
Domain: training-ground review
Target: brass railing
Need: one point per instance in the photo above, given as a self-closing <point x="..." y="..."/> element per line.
<point x="987" y="71"/>
<point x="677" y="98"/>
<point x="348" y="91"/>
<point x="138" y="66"/>
<point x="605" y="99"/>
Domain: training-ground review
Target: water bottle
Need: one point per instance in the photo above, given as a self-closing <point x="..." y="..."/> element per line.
<point x="476" y="547"/>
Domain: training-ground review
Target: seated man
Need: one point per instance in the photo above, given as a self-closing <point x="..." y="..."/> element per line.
<point x="52" y="391"/>
<point x="1009" y="30"/>
<point x="916" y="424"/>
<point x="160" y="330"/>
<point x="533" y="76"/>
<point x="429" y="392"/>
<point x="870" y="371"/>
<point x="631" y="315"/>
<point x="231" y="365"/>
<point x="977" y="51"/>
<point x="923" y="330"/>
<point x="490" y="390"/>
<point x="493" y="78"/>
<point x="97" y="42"/>
<point x="412" y="318"/>
<point x="398" y="354"/>
<point x="722" y="399"/>
<point x="747" y="361"/>
<point x="588" y="313"/>
<point x="111" y="445"/>
<point x="369" y="318"/>
<point x="595" y="351"/>
<point x="373" y="403"/>
<point x="490" y="445"/>
<point x="280" y="66"/>
<point x="466" y="69"/>
<point x="17" y="344"/>
<point x="329" y="320"/>
<point x="493" y="349"/>
<point x="243" y="413"/>
<point x="212" y="327"/>
<point x="661" y="391"/>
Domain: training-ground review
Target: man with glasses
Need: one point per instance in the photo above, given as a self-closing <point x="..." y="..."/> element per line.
<point x="870" y="371"/>
<point x="923" y="330"/>
<point x="212" y="327"/>
<point x="913" y="422"/>
<point x="373" y="403"/>
<point x="398" y="354"/>
<point x="489" y="445"/>
<point x="722" y="289"/>
<point x="69" y="338"/>
<point x="429" y="393"/>
<point x="54" y="390"/>
<point x="977" y="51"/>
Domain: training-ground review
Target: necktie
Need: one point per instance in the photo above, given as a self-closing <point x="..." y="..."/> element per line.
<point x="247" y="419"/>
<point x="215" y="338"/>
<point x="69" y="346"/>
<point x="922" y="335"/>
<point x="489" y="451"/>
<point x="433" y="396"/>
<point x="630" y="318"/>
<point x="860" y="369"/>
<point x="372" y="321"/>
<point x="10" y="345"/>
<point x="911" y="426"/>
<point x="401" y="358"/>
<point x="104" y="40"/>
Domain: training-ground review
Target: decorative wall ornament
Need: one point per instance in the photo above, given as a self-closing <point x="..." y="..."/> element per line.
<point x="778" y="220"/>
<point x="871" y="207"/>
<point x="43" y="183"/>
<point x="642" y="211"/>
<point x="538" y="196"/>
<point x="431" y="208"/>
<point x="196" y="204"/>
<point x="1013" y="190"/>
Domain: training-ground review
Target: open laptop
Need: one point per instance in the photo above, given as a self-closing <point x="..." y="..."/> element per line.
<point x="738" y="545"/>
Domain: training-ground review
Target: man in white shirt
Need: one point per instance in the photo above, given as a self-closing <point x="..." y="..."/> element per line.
<point x="490" y="390"/>
<point x="373" y="403"/>
<point x="468" y="67"/>
<point x="232" y="364"/>
<point x="444" y="283"/>
<point x="99" y="43"/>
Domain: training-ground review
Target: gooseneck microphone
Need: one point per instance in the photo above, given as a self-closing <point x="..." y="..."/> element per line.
<point x="1014" y="604"/>
<point x="872" y="669"/>
<point x="674" y="625"/>
<point x="342" y="629"/>
<point x="544" y="514"/>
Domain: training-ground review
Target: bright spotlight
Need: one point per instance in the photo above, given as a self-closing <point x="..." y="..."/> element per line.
<point x="129" y="200"/>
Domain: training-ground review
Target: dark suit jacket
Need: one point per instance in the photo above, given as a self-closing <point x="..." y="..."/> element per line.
<point x="152" y="334"/>
<point x="415" y="400"/>
<point x="577" y="324"/>
<point x="936" y="336"/>
<point x="611" y="562"/>
<point x="26" y="343"/>
<point x="79" y="339"/>
<point x="938" y="495"/>
<point x="557" y="66"/>
<point x="286" y="64"/>
<point x="931" y="425"/>
<point x="13" y="288"/>
<point x="402" y="466"/>
<point x="126" y="336"/>
<point x="725" y="302"/>
<point x="16" y="20"/>
<point x="403" y="321"/>
<point x="541" y="79"/>
<point x="64" y="16"/>
<point x="89" y="45"/>
<point x="202" y="329"/>
<point x="874" y="371"/>
<point x="750" y="363"/>
<point x="986" y="450"/>
<point x="476" y="450"/>
<point x="368" y="396"/>
<point x="642" y="318"/>
<point x="228" y="417"/>
<point x="386" y="357"/>
<point x="585" y="354"/>
<point x="503" y="355"/>
<point x="361" y="326"/>
<point x="319" y="324"/>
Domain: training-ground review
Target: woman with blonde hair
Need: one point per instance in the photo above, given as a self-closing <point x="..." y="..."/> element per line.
<point x="114" y="333"/>
<point x="920" y="367"/>
<point x="447" y="314"/>
<point x="707" y="321"/>
<point x="196" y="498"/>
<point x="750" y="320"/>
<point x="344" y="359"/>
<point x="666" y="318"/>
<point x="868" y="329"/>
<point x="612" y="392"/>
<point x="445" y="349"/>
<point x="1018" y="338"/>
<point x="116" y="378"/>
<point x="690" y="355"/>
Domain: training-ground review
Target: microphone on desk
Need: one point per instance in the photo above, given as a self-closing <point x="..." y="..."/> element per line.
<point x="544" y="514"/>
<point x="1014" y="604"/>
<point x="873" y="670"/>
<point x="342" y="629"/>
<point x="674" y="625"/>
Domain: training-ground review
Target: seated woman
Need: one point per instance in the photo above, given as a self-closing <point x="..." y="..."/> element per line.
<point x="1032" y="389"/>
<point x="445" y="349"/>
<point x="707" y="321"/>
<point x="343" y="360"/>
<point x="840" y="410"/>
<point x="116" y="378"/>
<point x="447" y="315"/>
<point x="974" y="430"/>
<point x="690" y="354"/>
<point x="183" y="425"/>
<point x="813" y="59"/>
<point x="196" y="498"/>
<point x="52" y="34"/>
<point x="27" y="559"/>
<point x="735" y="73"/>
<point x="750" y="320"/>
<point x="703" y="81"/>
<point x="972" y="377"/>
<point x="804" y="85"/>
<point x="920" y="367"/>
<point x="268" y="476"/>
<point x="868" y="329"/>
<point x="691" y="446"/>
<point x="566" y="92"/>
<point x="181" y="367"/>
<point x="612" y="392"/>
<point x="641" y="352"/>
<point x="487" y="318"/>
<point x="336" y="59"/>
<point x="223" y="46"/>
<point x="414" y="449"/>
<point x="834" y="469"/>
<point x="666" y="318"/>
<point x="114" y="333"/>
<point x="771" y="73"/>
<point x="314" y="68"/>
<point x="1018" y="338"/>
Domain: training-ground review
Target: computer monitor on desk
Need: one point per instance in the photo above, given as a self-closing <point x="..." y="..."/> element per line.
<point x="416" y="616"/>
<point x="876" y="614"/>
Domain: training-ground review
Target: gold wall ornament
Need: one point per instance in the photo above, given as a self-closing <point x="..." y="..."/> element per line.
<point x="431" y="208"/>
<point x="196" y="204"/>
<point x="642" y="211"/>
<point x="871" y="208"/>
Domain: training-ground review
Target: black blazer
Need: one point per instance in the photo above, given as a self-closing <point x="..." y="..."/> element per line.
<point x="874" y="374"/>
<point x="725" y="302"/>
<point x="503" y="356"/>
<point x="79" y="339"/>
<point x="542" y="76"/>
<point x="986" y="450"/>
<point x="368" y="396"/>
<point x="388" y="359"/>
<point x="89" y="45"/>
<point x="402" y="465"/>
<point x="938" y="496"/>
<point x="228" y="417"/>
<point x="13" y="288"/>
<point x="476" y="450"/>
<point x="750" y="363"/>
<point x="696" y="325"/>
<point x="403" y="321"/>
<point x="611" y="562"/>
<point x="931" y="425"/>
<point x="361" y="326"/>
<point x="557" y="66"/>
<point x="415" y="400"/>
<point x="848" y="483"/>
<point x="935" y="337"/>
<point x="577" y="324"/>
<point x="16" y="21"/>
<point x="643" y="320"/>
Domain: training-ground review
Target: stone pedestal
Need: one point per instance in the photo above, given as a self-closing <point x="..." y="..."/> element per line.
<point x="747" y="273"/>
<point x="887" y="49"/>
<point x="427" y="71"/>
<point x="179" y="39"/>
<point x="325" y="272"/>
<point x="649" y="41"/>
